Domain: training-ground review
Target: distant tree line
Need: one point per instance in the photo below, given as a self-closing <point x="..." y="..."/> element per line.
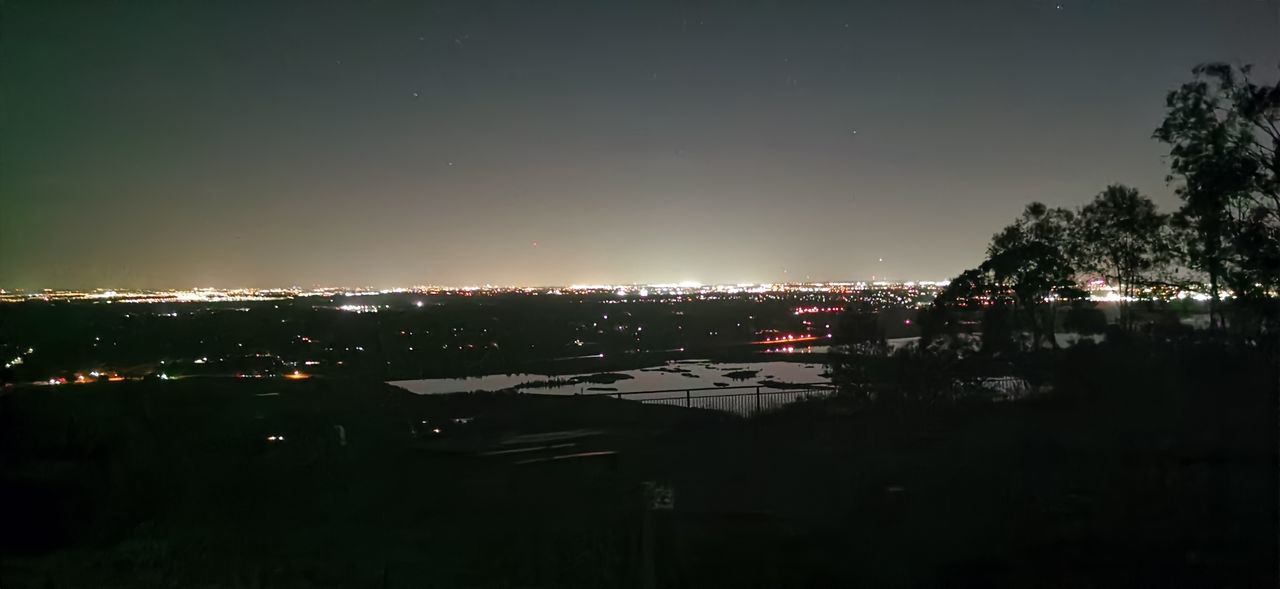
<point x="1223" y="133"/>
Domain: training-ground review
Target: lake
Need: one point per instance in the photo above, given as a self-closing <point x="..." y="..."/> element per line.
<point x="682" y="374"/>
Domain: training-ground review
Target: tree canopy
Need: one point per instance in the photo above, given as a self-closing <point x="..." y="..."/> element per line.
<point x="1223" y="132"/>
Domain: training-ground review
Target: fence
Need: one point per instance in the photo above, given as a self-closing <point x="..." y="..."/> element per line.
<point x="740" y="400"/>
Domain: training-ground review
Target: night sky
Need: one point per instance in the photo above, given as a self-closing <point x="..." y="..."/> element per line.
<point x="178" y="143"/>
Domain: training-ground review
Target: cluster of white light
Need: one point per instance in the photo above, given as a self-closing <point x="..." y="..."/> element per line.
<point x="694" y="288"/>
<point x="359" y="308"/>
<point x="197" y="295"/>
<point x="1099" y="292"/>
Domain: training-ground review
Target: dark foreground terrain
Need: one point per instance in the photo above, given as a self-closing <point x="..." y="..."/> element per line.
<point x="1144" y="467"/>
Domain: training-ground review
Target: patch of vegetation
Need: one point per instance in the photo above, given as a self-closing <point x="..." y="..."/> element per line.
<point x="602" y="378"/>
<point x="549" y="383"/>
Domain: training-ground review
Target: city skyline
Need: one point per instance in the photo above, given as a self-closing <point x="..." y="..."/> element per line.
<point x="203" y="293"/>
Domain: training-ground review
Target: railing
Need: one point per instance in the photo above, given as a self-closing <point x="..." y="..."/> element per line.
<point x="740" y="400"/>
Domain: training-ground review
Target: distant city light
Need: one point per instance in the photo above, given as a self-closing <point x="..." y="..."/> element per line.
<point x="196" y="295"/>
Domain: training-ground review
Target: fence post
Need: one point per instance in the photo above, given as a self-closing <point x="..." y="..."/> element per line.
<point x="618" y="396"/>
<point x="688" y="399"/>
<point x="757" y="399"/>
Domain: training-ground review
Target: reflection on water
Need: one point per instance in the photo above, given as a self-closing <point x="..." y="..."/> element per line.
<point x="684" y="374"/>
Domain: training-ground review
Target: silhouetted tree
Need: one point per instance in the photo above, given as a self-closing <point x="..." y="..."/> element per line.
<point x="1256" y="286"/>
<point x="966" y="294"/>
<point x="1033" y="258"/>
<point x="973" y="286"/>
<point x="1223" y="135"/>
<point x="1122" y="237"/>
<point x="1257" y="236"/>
<point x="937" y="321"/>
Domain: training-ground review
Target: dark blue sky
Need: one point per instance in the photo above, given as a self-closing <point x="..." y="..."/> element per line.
<point x="183" y="143"/>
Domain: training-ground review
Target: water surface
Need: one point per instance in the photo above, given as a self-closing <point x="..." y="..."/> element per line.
<point x="683" y="374"/>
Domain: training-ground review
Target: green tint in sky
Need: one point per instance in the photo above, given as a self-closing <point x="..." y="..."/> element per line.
<point x="180" y="143"/>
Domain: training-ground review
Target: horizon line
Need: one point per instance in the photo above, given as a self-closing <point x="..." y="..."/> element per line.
<point x="485" y="286"/>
